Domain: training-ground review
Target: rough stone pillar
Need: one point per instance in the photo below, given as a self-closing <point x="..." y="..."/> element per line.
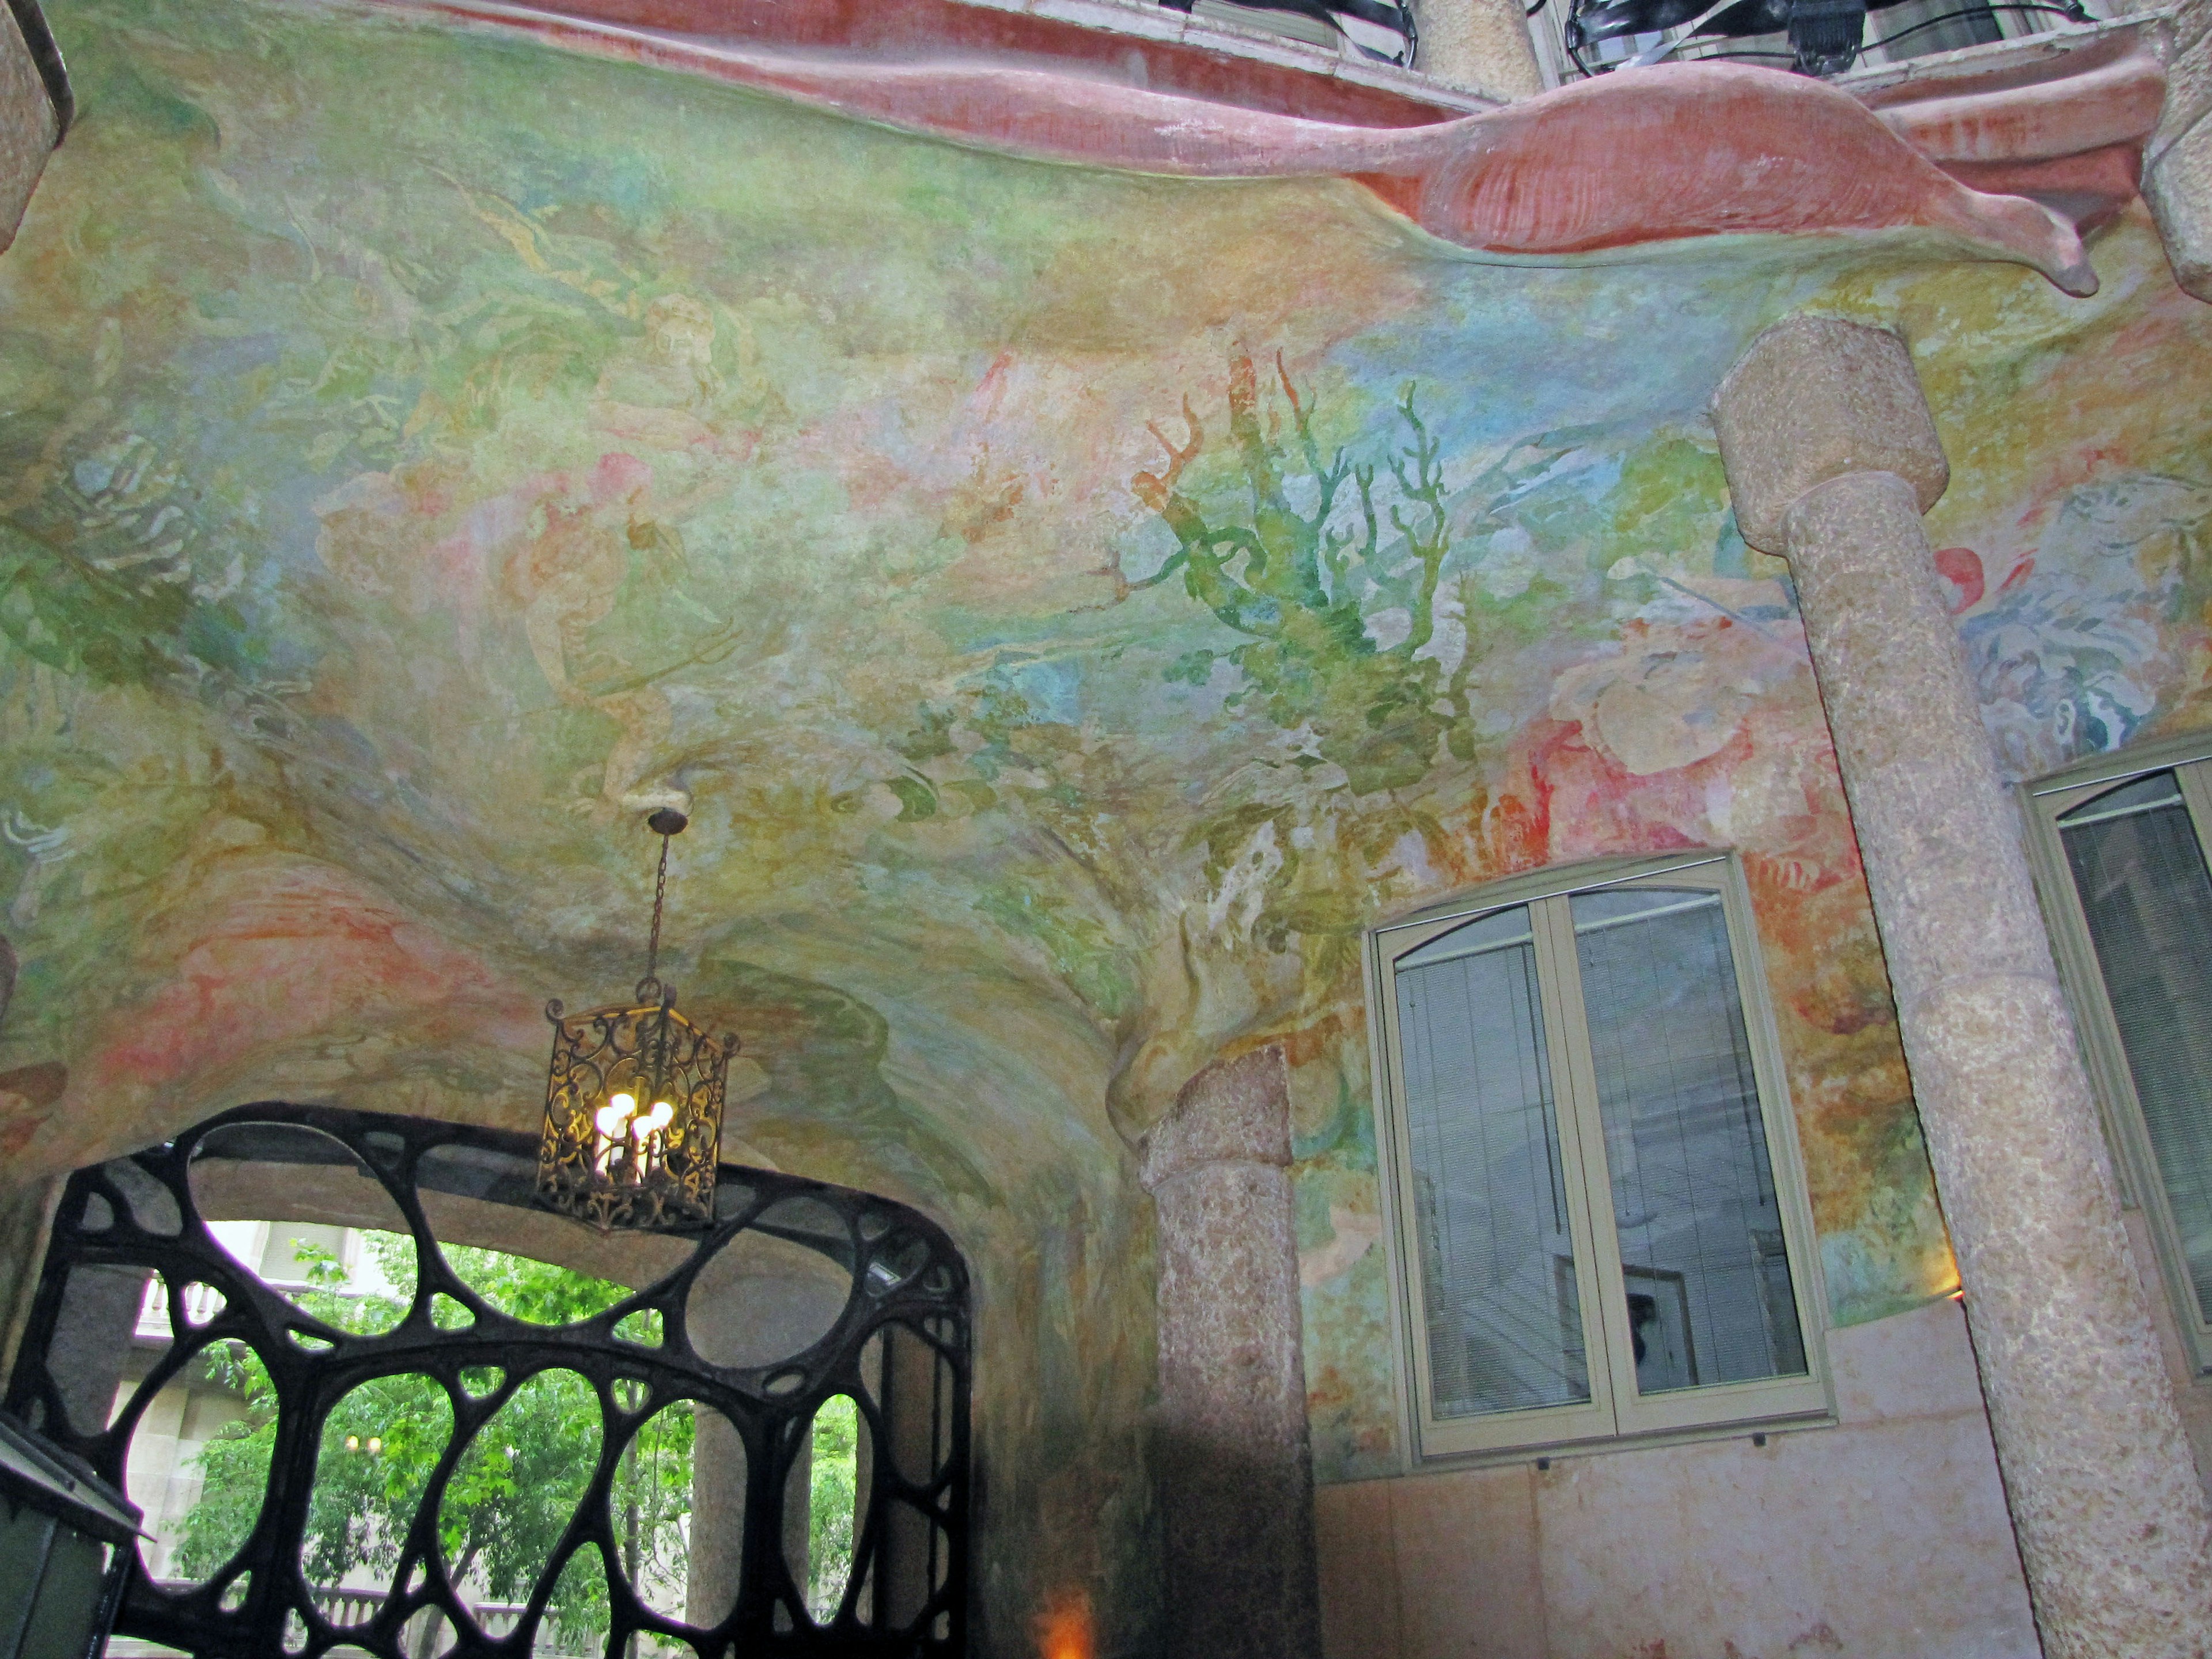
<point x="1480" y="44"/>
<point x="91" y="1341"/>
<point x="739" y="1314"/>
<point x="714" y="1558"/>
<point x="1235" y="1472"/>
<point x="1831" y="457"/>
<point x="2177" y="161"/>
<point x="907" y="1389"/>
<point x="31" y="120"/>
<point x="26" y="1215"/>
<point x="799" y="1512"/>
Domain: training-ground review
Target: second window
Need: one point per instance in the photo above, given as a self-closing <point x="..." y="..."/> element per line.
<point x="1597" y="1239"/>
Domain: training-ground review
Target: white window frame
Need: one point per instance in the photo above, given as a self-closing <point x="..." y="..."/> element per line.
<point x="1615" y="1415"/>
<point x="2044" y="801"/>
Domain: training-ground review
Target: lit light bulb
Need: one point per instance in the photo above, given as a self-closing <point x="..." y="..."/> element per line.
<point x="611" y="1120"/>
<point x="375" y="1445"/>
<point x="353" y="1442"/>
<point x="617" y="1112"/>
<point x="646" y="1131"/>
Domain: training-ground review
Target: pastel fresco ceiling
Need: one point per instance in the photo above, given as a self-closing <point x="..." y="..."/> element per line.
<point x="1074" y="602"/>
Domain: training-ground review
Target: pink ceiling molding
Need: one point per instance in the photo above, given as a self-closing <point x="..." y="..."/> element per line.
<point x="2015" y="161"/>
<point x="2065" y="127"/>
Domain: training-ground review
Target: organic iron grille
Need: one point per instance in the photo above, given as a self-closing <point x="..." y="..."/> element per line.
<point x="905" y="1292"/>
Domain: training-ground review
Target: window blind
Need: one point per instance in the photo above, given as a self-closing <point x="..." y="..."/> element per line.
<point x="2147" y="897"/>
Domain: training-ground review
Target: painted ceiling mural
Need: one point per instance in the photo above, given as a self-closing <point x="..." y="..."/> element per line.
<point x="1074" y="602"/>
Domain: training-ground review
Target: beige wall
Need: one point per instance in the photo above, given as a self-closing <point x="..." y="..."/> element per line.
<point x="163" y="1476"/>
<point x="1884" y="1537"/>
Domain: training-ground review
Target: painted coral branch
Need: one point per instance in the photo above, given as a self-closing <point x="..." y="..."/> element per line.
<point x="1307" y="590"/>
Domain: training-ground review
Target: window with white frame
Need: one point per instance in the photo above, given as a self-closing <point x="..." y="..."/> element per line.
<point x="1602" y="1229"/>
<point x="2119" y="849"/>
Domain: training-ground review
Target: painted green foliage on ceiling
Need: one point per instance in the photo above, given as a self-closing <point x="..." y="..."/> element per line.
<point x="1077" y="606"/>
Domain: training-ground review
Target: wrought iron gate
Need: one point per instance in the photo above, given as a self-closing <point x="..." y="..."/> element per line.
<point x="898" y="1346"/>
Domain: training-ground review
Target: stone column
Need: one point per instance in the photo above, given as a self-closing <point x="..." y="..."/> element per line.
<point x="739" y="1315"/>
<point x="2177" y="161"/>
<point x="714" y="1558"/>
<point x="799" y="1513"/>
<point x="31" y="121"/>
<point x="1480" y="44"/>
<point x="25" y="1216"/>
<point x="907" y="1387"/>
<point x="1831" y="457"/>
<point x="91" y="1341"/>
<point x="1234" y="1470"/>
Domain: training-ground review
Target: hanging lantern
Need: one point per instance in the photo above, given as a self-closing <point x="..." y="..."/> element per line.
<point x="634" y="1100"/>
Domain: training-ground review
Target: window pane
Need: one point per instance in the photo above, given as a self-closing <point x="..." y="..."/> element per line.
<point x="1498" y="1267"/>
<point x="2144" y="888"/>
<point x="1693" y="1198"/>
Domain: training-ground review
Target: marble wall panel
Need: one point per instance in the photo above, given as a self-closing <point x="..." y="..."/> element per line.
<point x="1884" y="1537"/>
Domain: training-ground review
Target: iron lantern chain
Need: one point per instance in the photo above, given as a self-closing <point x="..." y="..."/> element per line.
<point x="650" y="987"/>
<point x="660" y="900"/>
<point x="667" y="823"/>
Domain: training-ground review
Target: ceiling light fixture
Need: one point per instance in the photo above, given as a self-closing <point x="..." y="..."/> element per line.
<point x="634" y="1100"/>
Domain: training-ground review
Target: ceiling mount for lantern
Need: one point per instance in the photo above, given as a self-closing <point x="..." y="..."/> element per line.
<point x="633" y="1130"/>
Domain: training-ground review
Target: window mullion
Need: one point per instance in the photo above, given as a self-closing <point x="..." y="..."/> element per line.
<point x="2095" y="1027"/>
<point x="1414" y="1300"/>
<point x="1784" y="1157"/>
<point x="2195" y="781"/>
<point x="1603" y="1291"/>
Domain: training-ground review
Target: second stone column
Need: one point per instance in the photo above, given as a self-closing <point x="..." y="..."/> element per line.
<point x="1235" y="1472"/>
<point x="1831" y="457"/>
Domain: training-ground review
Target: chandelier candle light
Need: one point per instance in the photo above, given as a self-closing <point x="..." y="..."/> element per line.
<point x="634" y="1100"/>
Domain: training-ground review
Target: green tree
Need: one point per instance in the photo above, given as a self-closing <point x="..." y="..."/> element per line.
<point x="832" y="1479"/>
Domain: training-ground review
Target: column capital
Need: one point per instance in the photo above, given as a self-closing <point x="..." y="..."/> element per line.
<point x="1235" y="1112"/>
<point x="1817" y="398"/>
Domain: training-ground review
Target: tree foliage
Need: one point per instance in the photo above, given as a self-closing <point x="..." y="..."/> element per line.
<point x="830" y="1516"/>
